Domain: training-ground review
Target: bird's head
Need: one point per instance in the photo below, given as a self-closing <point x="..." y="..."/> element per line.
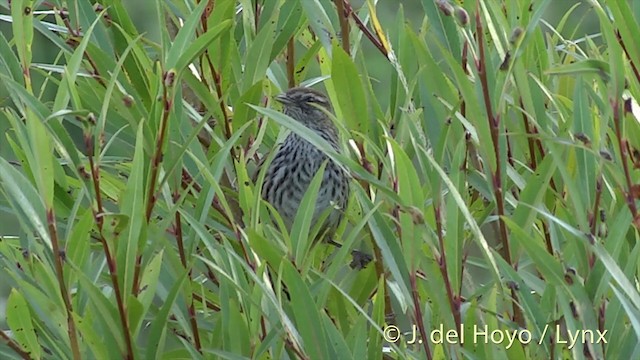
<point x="305" y="105"/>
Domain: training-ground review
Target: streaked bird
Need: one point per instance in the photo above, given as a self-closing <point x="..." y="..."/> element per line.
<point x="297" y="161"/>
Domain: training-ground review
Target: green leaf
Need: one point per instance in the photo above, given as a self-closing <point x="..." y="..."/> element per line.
<point x="375" y="340"/>
<point x="289" y="21"/>
<point x="77" y="242"/>
<point x="25" y="200"/>
<point x="19" y="321"/>
<point x="22" y="16"/>
<point x="106" y="313"/>
<point x="549" y="267"/>
<point x="258" y="57"/>
<point x="199" y="45"/>
<point x="319" y="21"/>
<point x="537" y="185"/>
<point x="475" y="229"/>
<point x="444" y="28"/>
<point x="133" y="206"/>
<point x="72" y="69"/>
<point x="306" y="315"/>
<point x="336" y="339"/>
<point x="42" y="166"/>
<point x="10" y="64"/>
<point x="409" y="187"/>
<point x="92" y="336"/>
<point x="242" y="113"/>
<point x="159" y="325"/>
<point x="351" y="98"/>
<point x="627" y="27"/>
<point x="300" y="234"/>
<point x="589" y="66"/>
<point x="149" y="284"/>
<point x="184" y="38"/>
<point x="389" y="247"/>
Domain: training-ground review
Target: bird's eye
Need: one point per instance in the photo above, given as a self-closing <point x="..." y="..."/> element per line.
<point x="317" y="100"/>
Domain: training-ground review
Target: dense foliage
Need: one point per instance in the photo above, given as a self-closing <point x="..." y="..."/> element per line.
<point x="495" y="181"/>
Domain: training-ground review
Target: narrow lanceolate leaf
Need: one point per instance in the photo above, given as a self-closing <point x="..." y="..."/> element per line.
<point x="305" y="312"/>
<point x="375" y="340"/>
<point x="159" y="325"/>
<point x="377" y="27"/>
<point x="72" y="70"/>
<point x="106" y="313"/>
<point x="24" y="199"/>
<point x="351" y="99"/>
<point x="389" y="246"/>
<point x="589" y="66"/>
<point x="258" y="56"/>
<point x="319" y="21"/>
<point x="133" y="206"/>
<point x="184" y="39"/>
<point x="409" y="187"/>
<point x="290" y="20"/>
<point x="300" y="231"/>
<point x="149" y="280"/>
<point x="42" y="148"/>
<point x="22" y="16"/>
<point x="627" y="26"/>
<point x="197" y="47"/>
<point x="9" y="63"/>
<point x="19" y="321"/>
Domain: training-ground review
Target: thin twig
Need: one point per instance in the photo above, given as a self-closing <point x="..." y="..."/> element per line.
<point x="622" y="146"/>
<point x="291" y="62"/>
<point x="58" y="254"/>
<point x="378" y="263"/>
<point x="454" y="300"/>
<point x="624" y="48"/>
<point x="183" y="259"/>
<point x="360" y="24"/>
<point x="156" y="159"/>
<point x="14" y="346"/>
<point x="494" y="126"/>
<point x="111" y="261"/>
<point x="533" y="164"/>
<point x="418" y="314"/>
<point x="343" y="16"/>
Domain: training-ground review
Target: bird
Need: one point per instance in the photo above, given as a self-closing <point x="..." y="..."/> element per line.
<point x="297" y="161"/>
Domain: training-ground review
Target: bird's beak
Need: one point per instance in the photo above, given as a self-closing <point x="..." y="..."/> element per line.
<point x="283" y="98"/>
